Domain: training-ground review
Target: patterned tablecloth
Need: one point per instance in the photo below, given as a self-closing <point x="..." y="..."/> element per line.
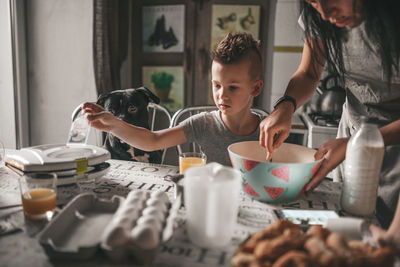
<point x="20" y="248"/>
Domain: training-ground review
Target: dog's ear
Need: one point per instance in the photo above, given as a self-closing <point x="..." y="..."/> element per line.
<point x="152" y="97"/>
<point x="102" y="98"/>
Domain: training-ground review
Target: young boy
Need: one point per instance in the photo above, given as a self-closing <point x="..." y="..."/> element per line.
<point x="236" y="79"/>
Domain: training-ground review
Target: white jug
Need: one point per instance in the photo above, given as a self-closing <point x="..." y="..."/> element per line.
<point x="211" y="198"/>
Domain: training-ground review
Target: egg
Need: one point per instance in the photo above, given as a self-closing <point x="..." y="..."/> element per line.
<point x="116" y="236"/>
<point x="145" y="237"/>
<point x="151" y="221"/>
<point x="137" y="194"/>
<point x="154" y="212"/>
<point x="125" y="222"/>
<point x="132" y="213"/>
<point x="159" y="204"/>
<point x="141" y="222"/>
<point x="126" y="208"/>
<point x="135" y="202"/>
<point x="161" y="195"/>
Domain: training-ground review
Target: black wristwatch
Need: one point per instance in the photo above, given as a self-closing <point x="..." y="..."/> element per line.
<point x="286" y="98"/>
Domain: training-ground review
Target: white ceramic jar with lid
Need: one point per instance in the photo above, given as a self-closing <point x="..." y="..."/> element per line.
<point x="364" y="156"/>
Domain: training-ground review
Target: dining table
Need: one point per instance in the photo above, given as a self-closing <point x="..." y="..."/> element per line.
<point x="19" y="245"/>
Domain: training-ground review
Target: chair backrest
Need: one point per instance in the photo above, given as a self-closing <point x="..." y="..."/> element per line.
<point x="159" y="118"/>
<point x="185" y="113"/>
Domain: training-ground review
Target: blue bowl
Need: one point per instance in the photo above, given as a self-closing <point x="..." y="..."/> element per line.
<point x="282" y="180"/>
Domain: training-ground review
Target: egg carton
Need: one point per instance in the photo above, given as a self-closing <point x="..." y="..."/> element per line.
<point x="124" y="229"/>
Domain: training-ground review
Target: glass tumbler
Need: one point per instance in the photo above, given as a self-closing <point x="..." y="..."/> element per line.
<point x="191" y="159"/>
<point x="38" y="194"/>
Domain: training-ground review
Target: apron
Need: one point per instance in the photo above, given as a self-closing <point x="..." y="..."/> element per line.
<point x="368" y="94"/>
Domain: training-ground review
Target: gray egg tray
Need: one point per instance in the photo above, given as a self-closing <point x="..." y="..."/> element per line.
<point x="124" y="229"/>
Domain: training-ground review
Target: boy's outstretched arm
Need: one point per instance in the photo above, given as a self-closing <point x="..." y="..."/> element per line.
<point x="138" y="137"/>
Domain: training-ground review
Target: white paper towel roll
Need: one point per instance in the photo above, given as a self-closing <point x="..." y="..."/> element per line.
<point x="351" y="228"/>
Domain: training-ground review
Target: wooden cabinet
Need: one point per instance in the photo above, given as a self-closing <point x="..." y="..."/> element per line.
<point x="198" y="29"/>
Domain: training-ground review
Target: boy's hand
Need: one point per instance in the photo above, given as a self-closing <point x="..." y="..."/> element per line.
<point x="92" y="108"/>
<point x="275" y="128"/>
<point x="98" y="117"/>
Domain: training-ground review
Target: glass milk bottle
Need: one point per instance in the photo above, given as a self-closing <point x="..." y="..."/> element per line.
<point x="362" y="166"/>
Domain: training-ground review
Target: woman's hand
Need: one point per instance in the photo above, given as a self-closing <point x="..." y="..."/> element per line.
<point x="334" y="152"/>
<point x="275" y="128"/>
<point x="385" y="238"/>
<point x="98" y="117"/>
<point x="390" y="237"/>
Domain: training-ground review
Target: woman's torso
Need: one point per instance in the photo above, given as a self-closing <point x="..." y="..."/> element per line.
<point x="368" y="91"/>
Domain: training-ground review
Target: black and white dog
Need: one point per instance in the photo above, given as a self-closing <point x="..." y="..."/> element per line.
<point x="129" y="105"/>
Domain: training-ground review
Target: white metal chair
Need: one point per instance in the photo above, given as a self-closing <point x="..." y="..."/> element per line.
<point x="159" y="118"/>
<point x="185" y="113"/>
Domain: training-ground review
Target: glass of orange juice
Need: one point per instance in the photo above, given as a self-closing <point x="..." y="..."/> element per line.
<point x="38" y="193"/>
<point x="191" y="159"/>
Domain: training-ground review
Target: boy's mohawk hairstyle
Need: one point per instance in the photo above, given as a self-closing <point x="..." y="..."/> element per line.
<point x="234" y="46"/>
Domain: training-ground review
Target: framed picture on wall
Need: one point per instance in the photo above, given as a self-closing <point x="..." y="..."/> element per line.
<point x="234" y="18"/>
<point x="167" y="83"/>
<point x="163" y="28"/>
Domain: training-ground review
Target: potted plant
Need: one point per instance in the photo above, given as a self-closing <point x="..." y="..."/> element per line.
<point x="162" y="83"/>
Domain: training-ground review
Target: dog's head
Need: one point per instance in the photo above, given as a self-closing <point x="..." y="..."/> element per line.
<point x="129" y="105"/>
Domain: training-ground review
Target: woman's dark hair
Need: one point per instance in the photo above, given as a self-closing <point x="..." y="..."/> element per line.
<point x="382" y="27"/>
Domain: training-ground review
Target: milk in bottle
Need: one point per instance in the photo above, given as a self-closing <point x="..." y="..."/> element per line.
<point x="362" y="166"/>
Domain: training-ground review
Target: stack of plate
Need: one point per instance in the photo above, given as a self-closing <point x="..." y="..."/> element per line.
<point x="69" y="162"/>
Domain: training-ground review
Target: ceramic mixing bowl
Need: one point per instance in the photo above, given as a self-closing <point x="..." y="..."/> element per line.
<point x="284" y="179"/>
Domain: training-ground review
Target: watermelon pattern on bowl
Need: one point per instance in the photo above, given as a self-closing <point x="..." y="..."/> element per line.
<point x="282" y="180"/>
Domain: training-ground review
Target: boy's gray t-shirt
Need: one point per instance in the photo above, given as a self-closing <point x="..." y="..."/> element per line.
<point x="208" y="130"/>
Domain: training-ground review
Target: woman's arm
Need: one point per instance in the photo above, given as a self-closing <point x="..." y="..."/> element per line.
<point x="303" y="82"/>
<point x="275" y="128"/>
<point x="390" y="237"/>
<point x="138" y="137"/>
<point x="334" y="152"/>
<point x="391" y="133"/>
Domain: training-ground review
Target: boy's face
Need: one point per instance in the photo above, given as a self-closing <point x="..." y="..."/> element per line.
<point x="233" y="87"/>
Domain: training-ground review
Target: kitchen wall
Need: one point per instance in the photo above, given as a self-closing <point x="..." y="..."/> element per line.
<point x="60" y="66"/>
<point x="288" y="43"/>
